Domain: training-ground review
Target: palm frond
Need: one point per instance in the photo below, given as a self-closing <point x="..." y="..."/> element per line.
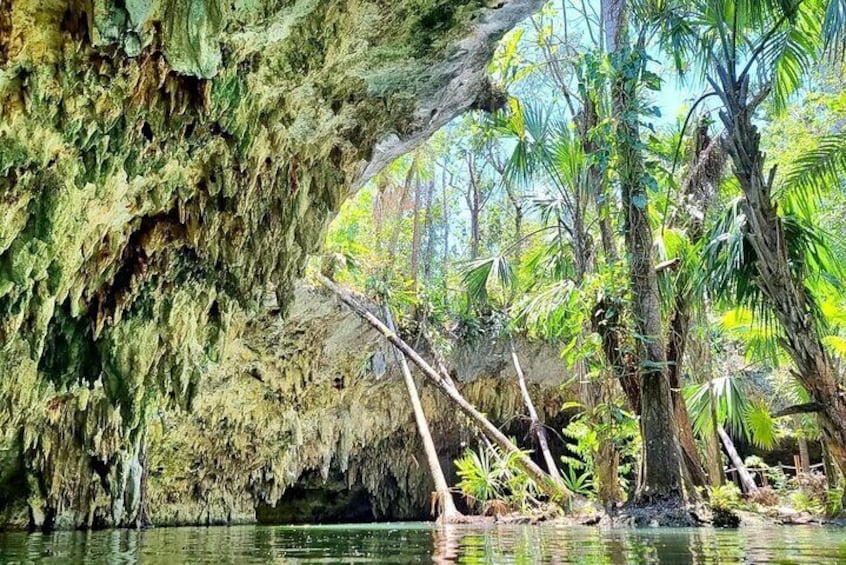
<point x="818" y="168"/>
<point x="791" y="52"/>
<point x="834" y="28"/>
<point x="483" y="274"/>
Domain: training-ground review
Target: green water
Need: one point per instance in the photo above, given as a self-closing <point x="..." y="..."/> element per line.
<point x="424" y="543"/>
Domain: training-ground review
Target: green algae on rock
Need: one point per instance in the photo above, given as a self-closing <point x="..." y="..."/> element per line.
<point x="162" y="164"/>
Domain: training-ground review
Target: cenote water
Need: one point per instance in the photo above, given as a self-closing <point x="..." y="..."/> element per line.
<point x="424" y="543"/>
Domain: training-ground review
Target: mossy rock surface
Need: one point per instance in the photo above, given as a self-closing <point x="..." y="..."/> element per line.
<point x="165" y="163"/>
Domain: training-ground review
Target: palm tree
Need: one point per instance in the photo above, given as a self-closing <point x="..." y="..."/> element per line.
<point x="722" y="406"/>
<point x="750" y="52"/>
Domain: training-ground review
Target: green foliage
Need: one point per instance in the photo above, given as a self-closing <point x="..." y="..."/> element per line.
<point x="490" y="475"/>
<point x="588" y="430"/>
<point x="727" y="400"/>
<point x="725" y="498"/>
<point x="834" y="502"/>
<point x="578" y="483"/>
<point x="483" y="275"/>
<point x="805" y="502"/>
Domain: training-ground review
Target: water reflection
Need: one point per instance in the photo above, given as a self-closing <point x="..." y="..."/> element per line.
<point x="425" y="543"/>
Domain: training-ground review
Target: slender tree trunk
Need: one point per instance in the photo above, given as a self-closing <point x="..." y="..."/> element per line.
<point x="746" y="479"/>
<point x="804" y="456"/>
<point x="445" y="259"/>
<point x="596" y="179"/>
<point x="536" y="424"/>
<point x="416" y="235"/>
<point x="676" y="343"/>
<point x="430" y="232"/>
<point x="474" y="202"/>
<point x="598" y="392"/>
<point x="554" y="489"/>
<point x="581" y="253"/>
<point x="518" y="222"/>
<point x="594" y="394"/>
<point x="448" y="512"/>
<point x="661" y="474"/>
<point x="394" y="242"/>
<point x="831" y="473"/>
<point x="716" y="472"/>
<point x="777" y="277"/>
<point x="606" y="320"/>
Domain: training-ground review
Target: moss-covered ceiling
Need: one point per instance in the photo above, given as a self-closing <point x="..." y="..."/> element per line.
<point x="164" y="162"/>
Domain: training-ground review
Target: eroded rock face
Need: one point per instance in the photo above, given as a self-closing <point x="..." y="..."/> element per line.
<point x="309" y="409"/>
<point x="161" y="163"/>
<point x="317" y="401"/>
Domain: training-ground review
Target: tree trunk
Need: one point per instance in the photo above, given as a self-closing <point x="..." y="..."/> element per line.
<point x="661" y="474"/>
<point x="448" y="512"/>
<point x="831" y="473"/>
<point x="600" y="391"/>
<point x="712" y="441"/>
<point x="746" y="479"/>
<point x="518" y="222"/>
<point x="676" y="343"/>
<point x="698" y="190"/>
<point x="594" y="394"/>
<point x="430" y="232"/>
<point x="394" y="242"/>
<point x="780" y="281"/>
<point x="474" y="201"/>
<point x="714" y="460"/>
<point x="554" y="489"/>
<point x="804" y="457"/>
<point x="596" y="180"/>
<point x="416" y="235"/>
<point x="536" y="424"/>
<point x="444" y="195"/>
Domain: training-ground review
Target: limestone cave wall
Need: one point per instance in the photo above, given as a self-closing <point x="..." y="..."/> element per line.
<point x="305" y="418"/>
<point x="162" y="164"/>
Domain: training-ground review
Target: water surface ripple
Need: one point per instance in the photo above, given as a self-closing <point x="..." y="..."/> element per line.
<point x="425" y="543"/>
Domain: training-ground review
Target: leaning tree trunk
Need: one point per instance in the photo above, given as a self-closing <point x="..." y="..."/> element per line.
<point x="554" y="489"/>
<point x="448" y="512"/>
<point x="661" y="473"/>
<point x="746" y="479"/>
<point x="779" y="280"/>
<point x="535" y="422"/>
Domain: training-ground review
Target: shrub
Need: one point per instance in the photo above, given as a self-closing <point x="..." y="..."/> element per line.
<point x="726" y="497"/>
<point x="492" y="481"/>
<point x="834" y="503"/>
<point x="804" y="502"/>
<point x="765" y="496"/>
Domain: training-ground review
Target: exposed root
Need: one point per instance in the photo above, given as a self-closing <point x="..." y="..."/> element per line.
<point x="671" y="512"/>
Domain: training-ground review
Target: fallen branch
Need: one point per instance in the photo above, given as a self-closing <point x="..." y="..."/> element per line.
<point x="668" y="264"/>
<point x="554" y="489"/>
<point x="806" y="408"/>
<point x="442" y="497"/>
